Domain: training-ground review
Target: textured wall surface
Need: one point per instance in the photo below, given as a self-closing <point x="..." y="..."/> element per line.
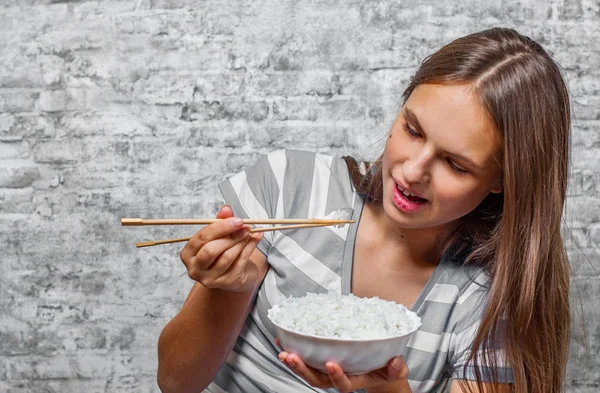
<point x="137" y="108"/>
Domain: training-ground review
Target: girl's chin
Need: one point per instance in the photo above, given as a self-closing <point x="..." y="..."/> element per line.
<point x="405" y="221"/>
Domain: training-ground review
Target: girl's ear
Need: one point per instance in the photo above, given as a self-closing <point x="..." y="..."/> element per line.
<point x="498" y="186"/>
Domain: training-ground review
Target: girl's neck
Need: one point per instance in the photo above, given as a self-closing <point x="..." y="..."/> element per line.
<point x="423" y="246"/>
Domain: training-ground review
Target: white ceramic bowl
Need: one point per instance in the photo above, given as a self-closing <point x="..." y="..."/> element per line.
<point x="354" y="356"/>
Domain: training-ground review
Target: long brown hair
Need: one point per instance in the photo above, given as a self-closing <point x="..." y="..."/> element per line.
<point x="514" y="235"/>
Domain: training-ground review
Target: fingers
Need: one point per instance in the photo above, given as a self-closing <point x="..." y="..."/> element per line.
<point x="338" y="378"/>
<point x="310" y="375"/>
<point x="225" y="212"/>
<point x="238" y="268"/>
<point x="248" y="249"/>
<point x="227" y="255"/>
<point x="222" y="247"/>
<point x="215" y="247"/>
<point x="209" y="233"/>
<point x="391" y="377"/>
<point x="397" y="368"/>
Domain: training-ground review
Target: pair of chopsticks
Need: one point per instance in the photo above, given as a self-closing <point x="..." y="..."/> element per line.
<point x="286" y="223"/>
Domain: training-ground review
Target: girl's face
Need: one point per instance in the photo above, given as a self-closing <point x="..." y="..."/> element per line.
<point x="441" y="150"/>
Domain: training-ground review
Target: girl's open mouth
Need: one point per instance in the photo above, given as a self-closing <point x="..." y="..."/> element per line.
<point x="406" y="201"/>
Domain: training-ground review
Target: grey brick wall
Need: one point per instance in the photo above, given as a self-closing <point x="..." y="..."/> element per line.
<point x="112" y="109"/>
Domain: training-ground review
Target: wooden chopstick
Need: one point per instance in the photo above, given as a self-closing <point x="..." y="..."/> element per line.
<point x="253" y="230"/>
<point x="192" y="221"/>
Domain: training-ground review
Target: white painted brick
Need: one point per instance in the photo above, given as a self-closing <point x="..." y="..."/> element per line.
<point x="18" y="173"/>
<point x="19" y="149"/>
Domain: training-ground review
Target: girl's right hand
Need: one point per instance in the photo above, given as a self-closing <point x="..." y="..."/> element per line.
<point x="218" y="256"/>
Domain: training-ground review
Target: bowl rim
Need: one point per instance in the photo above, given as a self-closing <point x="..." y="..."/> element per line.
<point x="350" y="340"/>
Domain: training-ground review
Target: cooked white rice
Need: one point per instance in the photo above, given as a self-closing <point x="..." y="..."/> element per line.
<point x="346" y="317"/>
<point x="339" y="214"/>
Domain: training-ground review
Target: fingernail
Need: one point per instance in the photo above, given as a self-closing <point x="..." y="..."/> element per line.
<point x="236" y="222"/>
<point x="397" y="364"/>
<point x="291" y="362"/>
<point x="330" y="369"/>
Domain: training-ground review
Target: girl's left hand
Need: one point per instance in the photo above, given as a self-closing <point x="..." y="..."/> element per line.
<point x="388" y="379"/>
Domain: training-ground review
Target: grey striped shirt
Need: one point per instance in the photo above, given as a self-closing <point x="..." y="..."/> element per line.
<point x="299" y="184"/>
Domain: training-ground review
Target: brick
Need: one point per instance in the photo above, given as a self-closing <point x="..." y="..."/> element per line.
<point x="584" y="158"/>
<point x="17" y="127"/>
<point x="308" y="136"/>
<point x="586" y="108"/>
<point x="17" y="149"/>
<point x="337" y="108"/>
<point x="582" y="260"/>
<point x="237" y="162"/>
<point x="16" y="201"/>
<point x="65" y="385"/>
<point x="11" y="233"/>
<point x="20" y="369"/>
<point x="213" y="136"/>
<point x="72" y="99"/>
<point x="584" y="135"/>
<point x="585" y="338"/>
<point x="321" y="48"/>
<point x="583" y="183"/>
<point x="86" y="178"/>
<point x="225" y="109"/>
<point x="586" y="85"/>
<point x="58" y="152"/>
<point x="165" y="89"/>
<point x="367" y="141"/>
<point x="582" y="209"/>
<point x="223" y="84"/>
<point x="17" y="101"/>
<point x="320" y="83"/>
<point x="108" y="124"/>
<point x="169" y="4"/>
<point x="18" y="174"/>
<point x="181" y="171"/>
<point x="58" y="367"/>
<point x="195" y="55"/>
<point x="19" y="71"/>
<point x="7" y="120"/>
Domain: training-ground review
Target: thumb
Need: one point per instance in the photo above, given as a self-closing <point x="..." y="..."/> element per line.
<point x="225" y="212"/>
<point x="397" y="368"/>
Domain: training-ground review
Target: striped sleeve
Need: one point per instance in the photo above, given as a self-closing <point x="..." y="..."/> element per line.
<point x="472" y="302"/>
<point x="257" y="192"/>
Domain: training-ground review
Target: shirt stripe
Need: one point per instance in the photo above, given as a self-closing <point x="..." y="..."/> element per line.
<point x="429" y="342"/>
<point x="443" y="293"/>
<point x="248" y="200"/>
<point x="274" y="296"/>
<point x="278" y="163"/>
<point x="311" y="266"/>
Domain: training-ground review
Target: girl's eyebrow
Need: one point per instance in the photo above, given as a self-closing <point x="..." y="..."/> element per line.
<point x="412" y="118"/>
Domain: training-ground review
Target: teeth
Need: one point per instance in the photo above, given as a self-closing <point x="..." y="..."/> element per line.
<point x="403" y="191"/>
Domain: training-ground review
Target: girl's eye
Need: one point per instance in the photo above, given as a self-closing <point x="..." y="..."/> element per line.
<point x="455" y="168"/>
<point x="410" y="131"/>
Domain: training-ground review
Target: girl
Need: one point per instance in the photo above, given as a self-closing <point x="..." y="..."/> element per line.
<point x="458" y="219"/>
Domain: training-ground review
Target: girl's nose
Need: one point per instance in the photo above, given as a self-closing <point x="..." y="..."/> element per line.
<point x="416" y="169"/>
